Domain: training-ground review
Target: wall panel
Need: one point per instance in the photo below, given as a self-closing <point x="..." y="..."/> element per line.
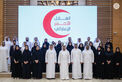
<point x="117" y="25"/>
<point x="1" y="20"/>
<point x="104" y="24"/>
<point x="11" y="16"/>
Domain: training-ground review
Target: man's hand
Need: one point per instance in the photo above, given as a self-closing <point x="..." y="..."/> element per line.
<point x="46" y="62"/>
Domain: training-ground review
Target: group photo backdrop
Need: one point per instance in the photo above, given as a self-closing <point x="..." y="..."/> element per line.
<point x="57" y="23"/>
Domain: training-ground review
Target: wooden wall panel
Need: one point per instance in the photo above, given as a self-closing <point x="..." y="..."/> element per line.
<point x="104" y="18"/>
<point x="11" y="16"/>
<point x="117" y="25"/>
<point x="1" y="21"/>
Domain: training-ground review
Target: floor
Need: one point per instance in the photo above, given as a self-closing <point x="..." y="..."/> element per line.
<point x="54" y="80"/>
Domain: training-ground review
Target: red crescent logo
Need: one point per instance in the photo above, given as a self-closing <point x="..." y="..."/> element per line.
<point x="47" y="23"/>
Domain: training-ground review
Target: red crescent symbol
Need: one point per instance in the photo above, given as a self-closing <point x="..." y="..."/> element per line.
<point x="47" y="23"/>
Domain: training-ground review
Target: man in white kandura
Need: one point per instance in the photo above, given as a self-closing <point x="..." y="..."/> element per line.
<point x="23" y="47"/>
<point x="36" y="40"/>
<point x="4" y="58"/>
<point x="88" y="57"/>
<point x="27" y="43"/>
<point x="50" y="60"/>
<point x="96" y="43"/>
<point x="64" y="61"/>
<point x="76" y="60"/>
<point x="8" y="44"/>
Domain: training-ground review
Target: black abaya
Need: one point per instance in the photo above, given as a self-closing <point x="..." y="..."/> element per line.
<point x="69" y="48"/>
<point x="43" y="50"/>
<point x="99" y="60"/>
<point x="26" y="57"/>
<point x="117" y="68"/>
<point x="58" y="49"/>
<point x="108" y="67"/>
<point x="37" y="67"/>
<point x="12" y="49"/>
<point x="17" y="67"/>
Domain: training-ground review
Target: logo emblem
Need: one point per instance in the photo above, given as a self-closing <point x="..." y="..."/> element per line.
<point x="47" y="23"/>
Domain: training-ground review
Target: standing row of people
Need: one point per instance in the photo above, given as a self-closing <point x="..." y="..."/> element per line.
<point x="106" y="64"/>
<point x="25" y="63"/>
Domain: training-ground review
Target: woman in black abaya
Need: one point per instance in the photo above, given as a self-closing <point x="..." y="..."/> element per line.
<point x="26" y="60"/>
<point x="37" y="63"/>
<point x="43" y="50"/>
<point x="17" y="67"/>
